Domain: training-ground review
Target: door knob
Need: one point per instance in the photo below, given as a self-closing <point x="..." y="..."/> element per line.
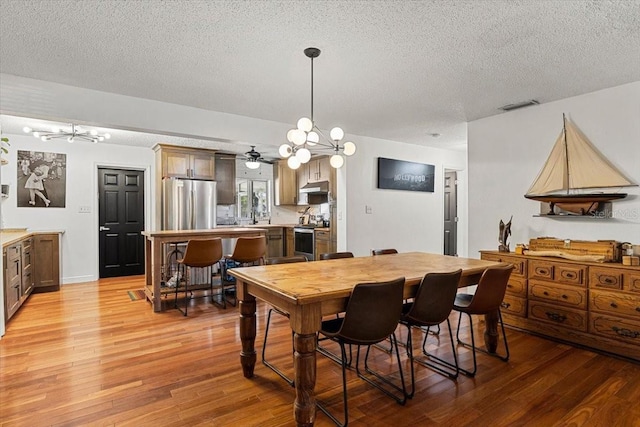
<point x="102" y="228"/>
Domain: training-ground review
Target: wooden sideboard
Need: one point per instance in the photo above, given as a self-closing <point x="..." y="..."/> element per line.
<point x="596" y="305"/>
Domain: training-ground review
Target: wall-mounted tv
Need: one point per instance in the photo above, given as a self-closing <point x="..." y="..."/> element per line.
<point x="402" y="175"/>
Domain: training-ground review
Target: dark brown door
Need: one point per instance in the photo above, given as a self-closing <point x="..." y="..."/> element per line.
<point x="121" y="200"/>
<point x="450" y="214"/>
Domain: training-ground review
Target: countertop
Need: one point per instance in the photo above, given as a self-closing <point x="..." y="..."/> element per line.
<point x="9" y="236"/>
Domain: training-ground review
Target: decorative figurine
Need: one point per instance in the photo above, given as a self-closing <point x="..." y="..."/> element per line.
<point x="505" y="232"/>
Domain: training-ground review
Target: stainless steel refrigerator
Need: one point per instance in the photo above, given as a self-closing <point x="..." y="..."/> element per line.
<point x="188" y="204"/>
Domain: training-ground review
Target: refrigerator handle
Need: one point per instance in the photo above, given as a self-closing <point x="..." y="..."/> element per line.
<point x="193" y="201"/>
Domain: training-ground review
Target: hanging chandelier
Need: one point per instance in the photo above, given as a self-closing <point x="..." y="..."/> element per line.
<point x="307" y="134"/>
<point x="71" y="135"/>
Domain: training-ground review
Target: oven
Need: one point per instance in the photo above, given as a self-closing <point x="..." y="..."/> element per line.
<point x="304" y="242"/>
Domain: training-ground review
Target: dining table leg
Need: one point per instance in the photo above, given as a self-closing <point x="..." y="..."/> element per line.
<point x="491" y="331"/>
<point x="247" y="306"/>
<point x="304" y="407"/>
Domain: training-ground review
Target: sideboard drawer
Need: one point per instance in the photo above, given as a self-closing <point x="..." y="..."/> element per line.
<point x="631" y="281"/>
<point x="517" y="286"/>
<point x="568" y="274"/>
<point x="514" y="305"/>
<point x="616" y="303"/>
<point x="615" y="327"/>
<point x="566" y="295"/>
<point x="608" y="278"/>
<point x="574" y="319"/>
<point x="519" y="264"/>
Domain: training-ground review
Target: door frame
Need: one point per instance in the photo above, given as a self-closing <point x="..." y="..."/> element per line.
<point x="95" y="209"/>
<point x="462" y="209"/>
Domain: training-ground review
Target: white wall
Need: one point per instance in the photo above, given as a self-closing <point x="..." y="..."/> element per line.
<point x="80" y="239"/>
<point x="404" y="220"/>
<point x="507" y="151"/>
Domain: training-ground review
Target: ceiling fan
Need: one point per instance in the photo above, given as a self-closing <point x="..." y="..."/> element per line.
<point x="254" y="158"/>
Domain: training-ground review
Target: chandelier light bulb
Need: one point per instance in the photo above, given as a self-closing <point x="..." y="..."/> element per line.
<point x="36" y="134"/>
<point x="293" y="162"/>
<point x="290" y="135"/>
<point x="305" y="124"/>
<point x="93" y="132"/>
<point x="252" y="164"/>
<point x="336" y="161"/>
<point x="304" y="155"/>
<point x="299" y="137"/>
<point x="349" y="148"/>
<point x="285" y="150"/>
<point x="55" y="129"/>
<point x="70" y="139"/>
<point x="44" y="138"/>
<point x="336" y="134"/>
<point x="313" y="138"/>
<point x="100" y="138"/>
<point x="107" y="136"/>
<point x="26" y="129"/>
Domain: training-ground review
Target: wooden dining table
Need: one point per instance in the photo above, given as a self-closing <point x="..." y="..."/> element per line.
<point x="308" y="291"/>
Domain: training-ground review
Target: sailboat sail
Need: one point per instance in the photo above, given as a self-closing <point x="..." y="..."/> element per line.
<point x="575" y="163"/>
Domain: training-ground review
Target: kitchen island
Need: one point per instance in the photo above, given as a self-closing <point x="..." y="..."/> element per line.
<point x="154" y="252"/>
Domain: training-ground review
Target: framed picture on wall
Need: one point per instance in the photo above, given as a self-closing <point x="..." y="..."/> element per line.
<point x="403" y="175"/>
<point x="42" y="179"/>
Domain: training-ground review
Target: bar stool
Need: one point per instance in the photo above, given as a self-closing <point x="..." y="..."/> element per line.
<point x="274" y="261"/>
<point x="372" y="314"/>
<point x="199" y="254"/>
<point x="487" y="299"/>
<point x="248" y="251"/>
<point x="431" y="306"/>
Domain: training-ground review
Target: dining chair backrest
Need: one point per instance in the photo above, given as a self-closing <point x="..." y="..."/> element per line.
<point x="491" y="289"/>
<point x="383" y="251"/>
<point x="373" y="312"/>
<point x="434" y="299"/>
<point x="335" y="255"/>
<point x="202" y="253"/>
<point x="250" y="249"/>
<point x="286" y="260"/>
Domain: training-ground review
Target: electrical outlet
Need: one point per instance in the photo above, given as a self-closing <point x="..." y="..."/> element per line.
<point x="368" y="209"/>
<point x="84" y="209"/>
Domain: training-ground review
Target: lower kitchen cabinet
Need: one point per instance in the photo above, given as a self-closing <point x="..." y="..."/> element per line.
<point x="275" y="242"/>
<point x="290" y="242"/>
<point x="30" y="265"/>
<point x="323" y="243"/>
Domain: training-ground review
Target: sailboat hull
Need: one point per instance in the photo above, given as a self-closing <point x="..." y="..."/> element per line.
<point x="577" y="198"/>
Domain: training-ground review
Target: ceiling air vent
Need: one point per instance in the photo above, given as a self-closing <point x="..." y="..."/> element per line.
<point x="517" y="105"/>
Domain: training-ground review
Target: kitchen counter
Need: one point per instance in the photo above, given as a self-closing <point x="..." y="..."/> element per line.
<point x="9" y="236"/>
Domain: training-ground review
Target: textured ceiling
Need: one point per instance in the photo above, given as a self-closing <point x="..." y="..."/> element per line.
<point x="398" y="70"/>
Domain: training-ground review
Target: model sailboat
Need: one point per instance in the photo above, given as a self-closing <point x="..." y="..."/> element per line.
<point x="576" y="164"/>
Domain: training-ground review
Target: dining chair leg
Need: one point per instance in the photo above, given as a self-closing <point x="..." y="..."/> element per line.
<point x="321" y="405"/>
<point x="504" y="358"/>
<point x="464" y="344"/>
<point x="268" y="364"/>
<point x="403" y="389"/>
<point x="438" y="364"/>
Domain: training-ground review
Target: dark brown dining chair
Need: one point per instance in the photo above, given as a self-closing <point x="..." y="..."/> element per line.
<point x="265" y="362"/>
<point x="335" y="255"/>
<point x="248" y="251"/>
<point x="198" y="254"/>
<point x="432" y="306"/>
<point x="486" y="299"/>
<point x="383" y="251"/>
<point x="372" y="314"/>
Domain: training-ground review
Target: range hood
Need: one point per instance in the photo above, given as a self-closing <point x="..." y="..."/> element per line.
<point x="320" y="187"/>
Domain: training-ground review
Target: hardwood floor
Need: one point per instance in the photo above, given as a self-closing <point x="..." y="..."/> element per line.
<point x="88" y="355"/>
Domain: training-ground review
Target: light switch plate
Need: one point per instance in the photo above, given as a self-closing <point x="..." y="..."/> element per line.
<point x="84" y="209"/>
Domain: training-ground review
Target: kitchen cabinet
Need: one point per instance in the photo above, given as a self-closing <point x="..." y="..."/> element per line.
<point x="12" y="261"/>
<point x="46" y="262"/>
<point x="323" y="243"/>
<point x="286" y="184"/>
<point x="275" y="242"/>
<point x="27" y="276"/>
<point x="225" y="179"/>
<point x="290" y="241"/>
<point x="178" y="162"/>
<point x="318" y="169"/>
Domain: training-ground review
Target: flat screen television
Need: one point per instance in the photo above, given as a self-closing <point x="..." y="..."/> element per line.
<point x="403" y="175"/>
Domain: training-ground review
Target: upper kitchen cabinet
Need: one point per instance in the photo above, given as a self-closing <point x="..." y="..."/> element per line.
<point x="318" y="169"/>
<point x="179" y="162"/>
<point x="226" y="178"/>
<point x="285" y="188"/>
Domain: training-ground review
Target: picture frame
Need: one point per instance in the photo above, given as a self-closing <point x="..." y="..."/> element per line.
<point x="403" y="175"/>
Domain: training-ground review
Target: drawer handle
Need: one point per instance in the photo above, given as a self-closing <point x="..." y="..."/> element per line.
<point x="627" y="333"/>
<point x="569" y="275"/>
<point x="542" y="271"/>
<point x="545" y="293"/>
<point x="613" y="305"/>
<point x="556" y="317"/>
<point x="609" y="280"/>
<point x="638" y="309"/>
<point x="565" y="297"/>
<point x="507" y="305"/>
